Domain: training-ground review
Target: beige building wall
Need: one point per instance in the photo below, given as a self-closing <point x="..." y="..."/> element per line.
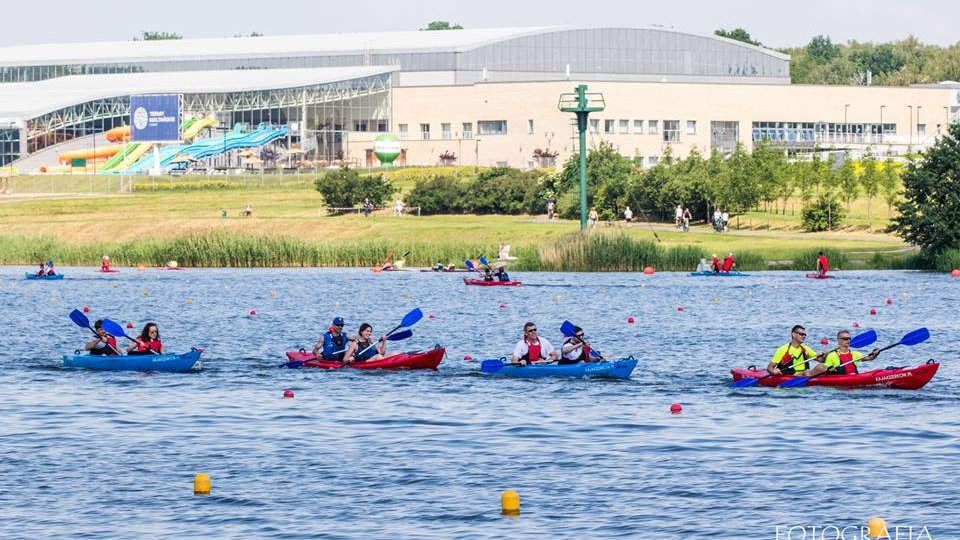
<point x="534" y="121"/>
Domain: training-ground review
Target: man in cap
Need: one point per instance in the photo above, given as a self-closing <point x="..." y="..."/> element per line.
<point x="729" y="263"/>
<point x="333" y="344"/>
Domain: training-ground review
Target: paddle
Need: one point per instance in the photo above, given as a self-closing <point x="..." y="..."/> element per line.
<point x="470" y="266"/>
<point x="409" y="319"/>
<point x="859" y="341"/>
<point x="568" y="329"/>
<point x="484" y="261"/>
<point x="116" y="330"/>
<point x="399" y="336"/>
<point x="81" y="320"/>
<point x="917" y="336"/>
<point x="493" y="366"/>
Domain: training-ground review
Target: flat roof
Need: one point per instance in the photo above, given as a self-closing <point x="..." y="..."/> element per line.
<point x="122" y="52"/>
<point x="33" y="99"/>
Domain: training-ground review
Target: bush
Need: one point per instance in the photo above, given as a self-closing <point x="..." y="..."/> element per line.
<point x="823" y="214"/>
<point x="144" y="187"/>
<point x="344" y="188"/>
<point x="505" y="191"/>
<point x="438" y="195"/>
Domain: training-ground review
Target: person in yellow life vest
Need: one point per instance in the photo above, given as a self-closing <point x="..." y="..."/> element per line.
<point x="794" y="357"/>
<point x="835" y="360"/>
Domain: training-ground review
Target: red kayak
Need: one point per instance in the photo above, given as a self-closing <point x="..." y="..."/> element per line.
<point x="108" y="271"/>
<point x="483" y="283"/>
<point x="905" y="378"/>
<point x="412" y="360"/>
<point x="820" y="276"/>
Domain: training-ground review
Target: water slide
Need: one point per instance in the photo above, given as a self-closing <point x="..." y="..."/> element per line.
<point x="118" y="134"/>
<point x="232" y="140"/>
<point x="102" y="152"/>
<point x="190" y="130"/>
<point x="119" y="156"/>
<point x="133" y="156"/>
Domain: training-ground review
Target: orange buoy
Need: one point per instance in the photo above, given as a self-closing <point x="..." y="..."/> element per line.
<point x="648" y="270"/>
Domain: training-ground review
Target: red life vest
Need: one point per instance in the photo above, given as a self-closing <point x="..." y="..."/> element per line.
<point x="533" y="351"/>
<point x="822" y="262"/>
<point x="786" y="363"/>
<point x="584" y="351"/>
<point x="848" y="369"/>
<point x="728" y="264"/>
<point x="715" y="265"/>
<point x="155" y="345"/>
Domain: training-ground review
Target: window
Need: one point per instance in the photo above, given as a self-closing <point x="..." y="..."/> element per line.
<point x="653" y="160"/>
<point x="921" y="130"/>
<point x="638" y="126"/>
<point x="445" y="132"/>
<point x="530" y="127"/>
<point x="671" y="130"/>
<point x="425" y="132"/>
<point x="624" y="126"/>
<point x="608" y="126"/>
<point x="691" y="127"/>
<point x="492" y="127"/>
<point x="404" y="131"/>
<point x="382" y="126"/>
<point x="359" y="125"/>
<point x="468" y="130"/>
<point x="653" y="127"/>
<point x="594" y="125"/>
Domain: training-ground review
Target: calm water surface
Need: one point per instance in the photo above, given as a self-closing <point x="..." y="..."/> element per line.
<point x="426" y="455"/>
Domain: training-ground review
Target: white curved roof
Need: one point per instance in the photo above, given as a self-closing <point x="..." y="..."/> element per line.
<point x="255" y="47"/>
<point x="32" y="99"/>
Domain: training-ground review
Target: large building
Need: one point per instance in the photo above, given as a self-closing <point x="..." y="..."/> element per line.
<point x="486" y="96"/>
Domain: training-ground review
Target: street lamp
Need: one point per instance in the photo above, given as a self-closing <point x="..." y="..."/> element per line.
<point x="918" y="123"/>
<point x="476" y="153"/>
<point x="911" y="123"/>
<point x="846" y="128"/>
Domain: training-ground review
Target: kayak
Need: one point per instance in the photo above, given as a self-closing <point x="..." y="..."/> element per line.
<point x="170" y="268"/>
<point x="445" y="271"/>
<point x="177" y="363"/>
<point x="617" y="369"/>
<point x="54" y="277"/>
<point x="110" y="271"/>
<point x="718" y="274"/>
<point x="408" y="360"/>
<point x="482" y="283"/>
<point x="819" y="276"/>
<point x="901" y="378"/>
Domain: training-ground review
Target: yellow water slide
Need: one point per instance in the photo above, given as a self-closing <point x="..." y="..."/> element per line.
<point x="133" y="156"/>
<point x="191" y="132"/>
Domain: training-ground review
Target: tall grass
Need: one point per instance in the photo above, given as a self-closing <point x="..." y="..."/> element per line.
<point x="614" y="252"/>
<point x="807" y="260"/>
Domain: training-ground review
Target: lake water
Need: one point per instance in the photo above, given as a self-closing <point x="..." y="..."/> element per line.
<point x="427" y="454"/>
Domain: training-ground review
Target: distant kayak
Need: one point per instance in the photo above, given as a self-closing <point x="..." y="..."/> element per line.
<point x="718" y="274"/>
<point x="820" y="276"/>
<point x="445" y="271"/>
<point x="901" y="378"/>
<point x="618" y="369"/>
<point x="483" y="283"/>
<point x="409" y="360"/>
<point x="175" y="363"/>
<point x="170" y="268"/>
<point x="54" y="277"/>
<point x="111" y="271"/>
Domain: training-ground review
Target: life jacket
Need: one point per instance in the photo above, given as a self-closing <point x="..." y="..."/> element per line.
<point x="786" y="364"/>
<point x="50" y="272"/>
<point x="584" y="353"/>
<point x="823" y="264"/>
<point x="848" y="369"/>
<point x="364" y="350"/>
<point x="728" y="264"/>
<point x="715" y="265"/>
<point x="340" y="341"/>
<point x="533" y="351"/>
<point x="155" y="346"/>
<point x="108" y="349"/>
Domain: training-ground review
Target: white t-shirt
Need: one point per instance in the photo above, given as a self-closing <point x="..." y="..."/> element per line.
<point x="628" y="213"/>
<point x="679" y="212"/>
<point x="521" y="349"/>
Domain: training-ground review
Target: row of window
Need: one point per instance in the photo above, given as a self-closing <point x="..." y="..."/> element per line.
<point x="484" y="127"/>
<point x="671" y="128"/>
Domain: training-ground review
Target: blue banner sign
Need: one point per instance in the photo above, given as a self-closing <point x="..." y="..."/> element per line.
<point x="155" y="118"/>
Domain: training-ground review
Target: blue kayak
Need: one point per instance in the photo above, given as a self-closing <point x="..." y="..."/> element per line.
<point x="176" y="363"/>
<point x="28" y="275"/>
<point x="618" y="369"/>
<point x="718" y="274"/>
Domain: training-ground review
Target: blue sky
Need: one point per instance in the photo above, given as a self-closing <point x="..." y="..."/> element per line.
<point x="775" y="23"/>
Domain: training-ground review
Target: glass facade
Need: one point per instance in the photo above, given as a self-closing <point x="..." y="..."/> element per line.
<point x="9" y="145"/>
<point x="812" y="133"/>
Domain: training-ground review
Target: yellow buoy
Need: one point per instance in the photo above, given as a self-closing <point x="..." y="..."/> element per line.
<point x="557" y="298"/>
<point x="146" y="292"/>
<point x="273" y="294"/>
<point x="877" y="528"/>
<point x="141" y="268"/>
<point x="716" y="300"/>
<point x="510" y="502"/>
<point x="189" y="300"/>
<point x="114" y="285"/>
<point x="749" y="293"/>
<point x="337" y="304"/>
<point x="201" y="484"/>
<point x="904" y="294"/>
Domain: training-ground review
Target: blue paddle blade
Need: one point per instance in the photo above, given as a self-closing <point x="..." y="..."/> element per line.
<point x="864" y="339"/>
<point x="917" y="336"/>
<point x="79" y="318"/>
<point x="412" y="318"/>
<point x="743" y="383"/>
<point x="400" y="336"/>
<point x="113" y="328"/>
<point x="293" y="364"/>
<point x="794" y="383"/>
<point x="470" y="266"/>
<point x="483" y="261"/>
<point x="491" y="366"/>
<point x="567" y="328"/>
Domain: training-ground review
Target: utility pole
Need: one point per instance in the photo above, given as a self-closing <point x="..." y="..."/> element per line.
<point x="582" y="104"/>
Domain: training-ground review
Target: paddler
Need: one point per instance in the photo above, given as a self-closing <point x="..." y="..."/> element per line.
<point x="729" y="263"/>
<point x="103" y="344"/>
<point x="532" y="348"/>
<point x="822" y="264"/>
<point x="501" y="273"/>
<point x="794" y="357"/>
<point x="715" y="264"/>
<point x="364" y="348"/>
<point x="333" y="344"/>
<point x="576" y="349"/>
<point x="148" y="342"/>
<point x="50" y="270"/>
<point x="835" y="360"/>
<point x="105" y="264"/>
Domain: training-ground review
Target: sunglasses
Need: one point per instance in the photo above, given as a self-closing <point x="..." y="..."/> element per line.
<point x="531" y="330"/>
<point x="579" y="336"/>
<point x="844" y="338"/>
<point x="801" y="334"/>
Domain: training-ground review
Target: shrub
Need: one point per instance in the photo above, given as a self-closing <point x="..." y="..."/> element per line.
<point x="438" y="195"/>
<point x="823" y="214"/>
<point x="344" y="188"/>
<point x="504" y="191"/>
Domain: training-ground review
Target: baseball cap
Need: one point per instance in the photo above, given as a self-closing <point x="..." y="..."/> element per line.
<point x="338" y="321"/>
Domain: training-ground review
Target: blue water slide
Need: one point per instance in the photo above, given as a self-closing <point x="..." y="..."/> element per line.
<point x="205" y="148"/>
